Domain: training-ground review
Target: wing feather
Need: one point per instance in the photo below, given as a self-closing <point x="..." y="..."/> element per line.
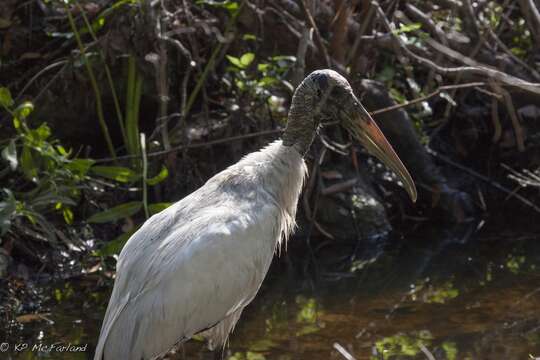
<point x="185" y="270"/>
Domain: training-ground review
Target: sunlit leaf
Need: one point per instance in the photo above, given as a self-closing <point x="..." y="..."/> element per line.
<point x="243" y="62"/>
<point x="234" y="60"/>
<point x="116" y="213"/>
<point x="262" y="67"/>
<point x="42" y="132"/>
<point x="450" y="350"/>
<point x="405" y="28"/>
<point x="247" y="59"/>
<point x="5" y="97"/>
<point x="117" y="173"/>
<point x="249" y="37"/>
<point x="24" y="110"/>
<point x="231" y="6"/>
<point x="163" y="173"/>
<point x="67" y="213"/>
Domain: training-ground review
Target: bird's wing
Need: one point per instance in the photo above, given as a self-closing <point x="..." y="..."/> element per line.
<point x="185" y="270"/>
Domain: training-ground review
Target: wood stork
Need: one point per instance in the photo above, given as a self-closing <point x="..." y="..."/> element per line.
<point x="193" y="268"/>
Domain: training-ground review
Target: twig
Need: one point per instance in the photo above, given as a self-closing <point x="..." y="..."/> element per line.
<point x="531" y="13"/>
<point x="497" y="128"/>
<point x="339" y="187"/>
<point x="424" y="98"/>
<point x="277" y="131"/>
<point x="41" y="72"/>
<point x="426" y="352"/>
<point x="503" y="46"/>
<point x="518" y="130"/>
<point x="318" y="38"/>
<point x="198" y="145"/>
<point x="353" y="54"/>
<point x="485" y="179"/>
<point x="343" y="352"/>
<point x="299" y="69"/>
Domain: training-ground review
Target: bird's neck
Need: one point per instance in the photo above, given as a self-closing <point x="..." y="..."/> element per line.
<point x="301" y="126"/>
<point x="283" y="178"/>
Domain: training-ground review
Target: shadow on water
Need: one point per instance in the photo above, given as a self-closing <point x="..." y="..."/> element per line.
<point x="450" y="294"/>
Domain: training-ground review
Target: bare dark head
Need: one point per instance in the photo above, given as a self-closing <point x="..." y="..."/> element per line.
<point x="325" y="94"/>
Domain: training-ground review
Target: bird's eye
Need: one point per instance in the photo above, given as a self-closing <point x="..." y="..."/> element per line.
<point x="319" y="92"/>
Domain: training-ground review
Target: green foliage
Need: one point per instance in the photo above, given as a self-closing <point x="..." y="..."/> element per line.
<point x="243" y="62"/>
<point x="41" y="184"/>
<point x="249" y="355"/>
<point x="406" y="28"/>
<point x="403" y="344"/>
<point x="116" y="213"/>
<point x="307" y="315"/>
<point x="114" y="246"/>
<point x="162" y="175"/>
<point x="253" y="84"/>
<point x="37" y="177"/>
<point x="230" y="5"/>
<point x="158" y="207"/>
<point x="116" y="173"/>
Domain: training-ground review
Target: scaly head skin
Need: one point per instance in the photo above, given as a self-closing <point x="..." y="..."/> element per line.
<point x="326" y="94"/>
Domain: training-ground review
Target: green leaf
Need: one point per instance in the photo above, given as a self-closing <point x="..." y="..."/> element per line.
<point x="114" y="246"/>
<point x="5" y="97"/>
<point x="231" y="6"/>
<point x="68" y="215"/>
<point x="163" y="173"/>
<point x="16" y="123"/>
<point x="24" y="110"/>
<point x="117" y="173"/>
<point x="248" y="37"/>
<point x="289" y="58"/>
<point x="247" y="59"/>
<point x="10" y="155"/>
<point x="158" y="207"/>
<point x="80" y="166"/>
<point x="262" y="67"/>
<point x="42" y="132"/>
<point x="234" y="60"/>
<point x="267" y="81"/>
<point x="28" y="164"/>
<point x="243" y="62"/>
<point x="48" y="198"/>
<point x="407" y="28"/>
<point x="116" y="213"/>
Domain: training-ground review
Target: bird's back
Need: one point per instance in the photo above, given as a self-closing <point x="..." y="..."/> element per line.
<point x="203" y="259"/>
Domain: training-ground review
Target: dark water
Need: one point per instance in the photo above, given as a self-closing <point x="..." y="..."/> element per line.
<point x="434" y="294"/>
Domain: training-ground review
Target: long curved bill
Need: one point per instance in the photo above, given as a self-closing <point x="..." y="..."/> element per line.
<point x="367" y="132"/>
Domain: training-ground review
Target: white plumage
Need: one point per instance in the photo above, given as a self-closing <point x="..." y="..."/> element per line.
<point x="194" y="267"/>
<point x="197" y="264"/>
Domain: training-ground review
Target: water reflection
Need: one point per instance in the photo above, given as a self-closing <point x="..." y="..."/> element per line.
<point x="430" y="293"/>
